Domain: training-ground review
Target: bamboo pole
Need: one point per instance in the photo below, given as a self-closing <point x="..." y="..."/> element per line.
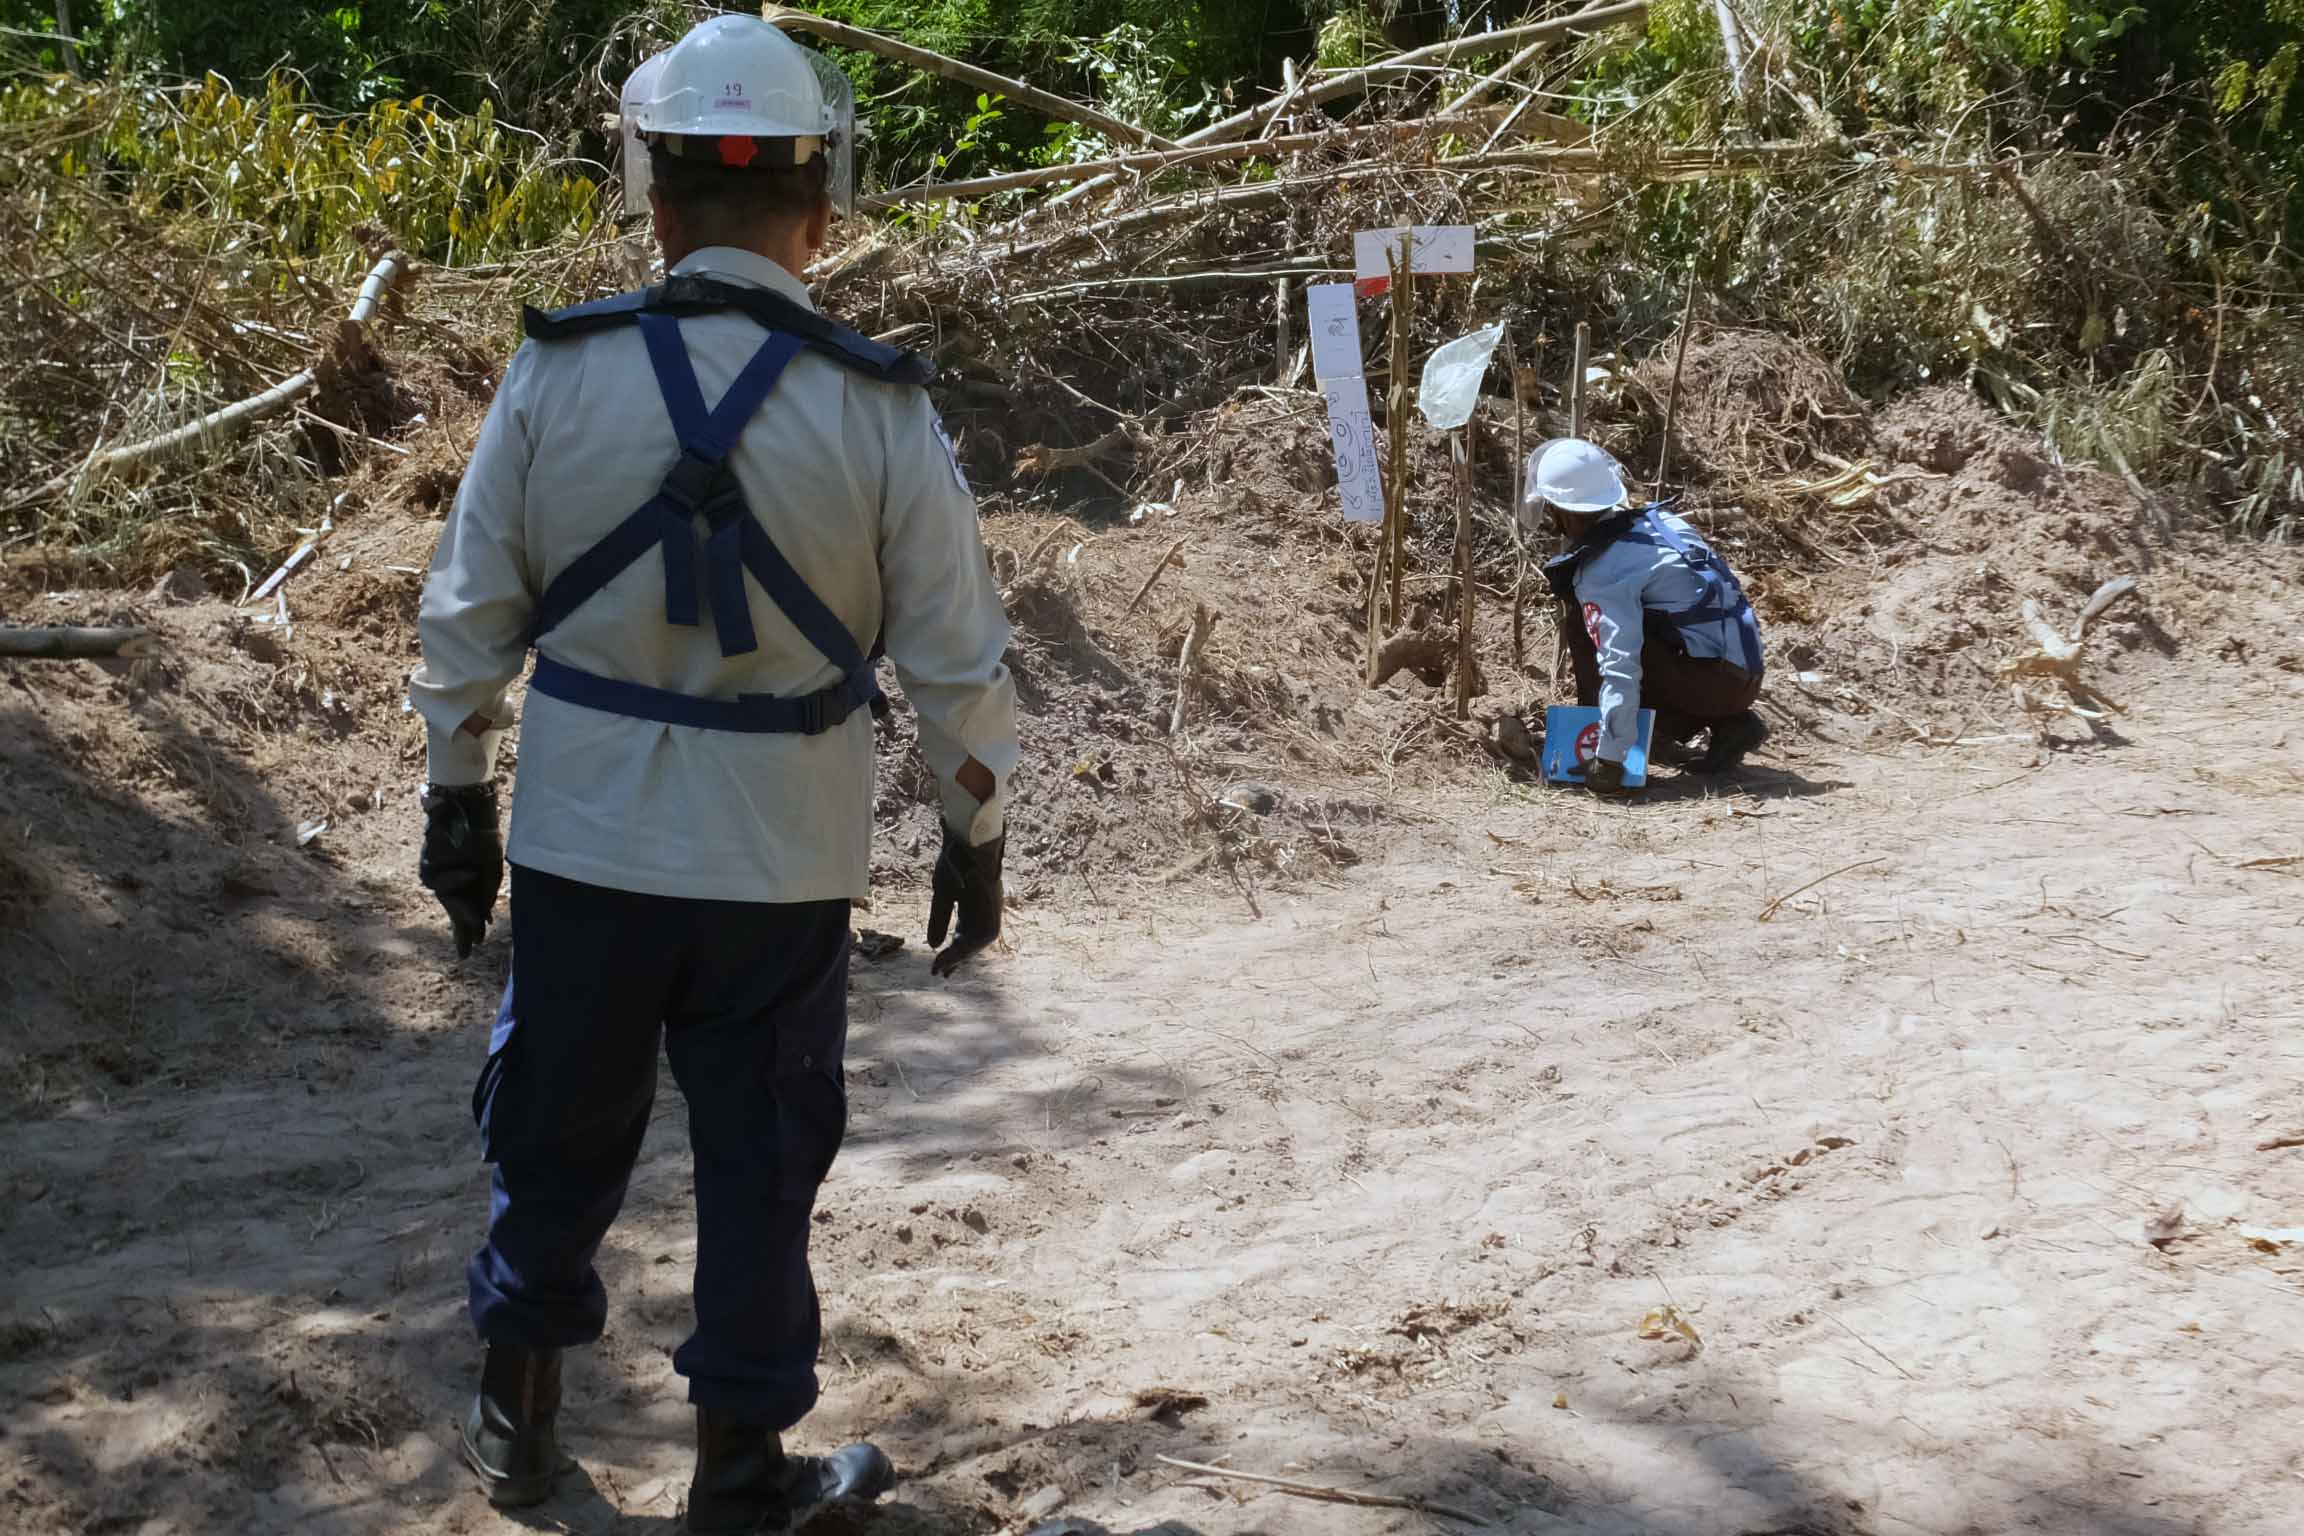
<point x="946" y="68"/>
<point x="1478" y="90"/>
<point x="1171" y="159"/>
<point x="72" y="643"/>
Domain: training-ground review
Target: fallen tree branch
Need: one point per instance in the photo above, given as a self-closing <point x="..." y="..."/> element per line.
<point x="72" y="643"/>
<point x="1354" y="82"/>
<point x="945" y="67"/>
<point x="231" y="420"/>
<point x="1327" y="1495"/>
<point x="1041" y="460"/>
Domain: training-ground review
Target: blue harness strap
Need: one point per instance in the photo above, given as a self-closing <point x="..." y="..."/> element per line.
<point x="1727" y="601"/>
<point x="702" y="484"/>
<point x="1724" y="598"/>
<point x="751" y="713"/>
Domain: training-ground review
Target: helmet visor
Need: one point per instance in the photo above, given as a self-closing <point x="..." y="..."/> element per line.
<point x="839" y="132"/>
<point x="632" y="170"/>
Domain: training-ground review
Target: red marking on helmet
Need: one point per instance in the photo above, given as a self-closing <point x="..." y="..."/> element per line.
<point x="738" y="150"/>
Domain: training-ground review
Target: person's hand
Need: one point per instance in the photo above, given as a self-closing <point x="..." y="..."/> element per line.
<point x="1606" y="780"/>
<point x="967" y="881"/>
<point x="463" y="858"/>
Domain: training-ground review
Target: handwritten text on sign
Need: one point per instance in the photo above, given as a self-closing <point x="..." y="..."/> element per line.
<point x="1433" y="248"/>
<point x="1333" y="317"/>
<point x="1353" y="434"/>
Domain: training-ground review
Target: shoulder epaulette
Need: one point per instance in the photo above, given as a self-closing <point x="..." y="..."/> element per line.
<point x="689" y="295"/>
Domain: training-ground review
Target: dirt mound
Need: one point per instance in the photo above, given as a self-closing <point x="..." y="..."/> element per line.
<point x="1751" y="406"/>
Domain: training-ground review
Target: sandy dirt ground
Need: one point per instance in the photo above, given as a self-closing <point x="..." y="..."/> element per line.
<point x="1578" y="1168"/>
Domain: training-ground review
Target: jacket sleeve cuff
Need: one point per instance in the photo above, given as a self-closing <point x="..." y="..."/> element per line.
<point x="978" y="822"/>
<point x="455" y="757"/>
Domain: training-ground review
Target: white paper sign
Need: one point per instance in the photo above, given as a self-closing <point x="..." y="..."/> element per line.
<point x="1333" y="316"/>
<point x="1436" y="248"/>
<point x="1353" y="435"/>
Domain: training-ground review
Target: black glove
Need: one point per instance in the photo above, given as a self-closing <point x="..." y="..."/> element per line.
<point x="463" y="861"/>
<point x="1606" y="780"/>
<point x="967" y="878"/>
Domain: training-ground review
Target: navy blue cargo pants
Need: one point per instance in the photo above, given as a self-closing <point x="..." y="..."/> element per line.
<point x="750" y="1001"/>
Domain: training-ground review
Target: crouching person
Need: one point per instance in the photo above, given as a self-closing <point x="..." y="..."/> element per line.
<point x="1653" y="617"/>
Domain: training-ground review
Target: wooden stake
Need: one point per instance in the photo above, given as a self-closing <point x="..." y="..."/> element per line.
<point x="1403" y="265"/>
<point x="1672" y="400"/>
<point x="1145" y="590"/>
<point x="1280" y="321"/>
<point x="1579" y="363"/>
<point x="1460" y="449"/>
<point x="1391" y="540"/>
<point x="1519" y="491"/>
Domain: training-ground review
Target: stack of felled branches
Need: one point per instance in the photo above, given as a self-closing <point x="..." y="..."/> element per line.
<point x="1158" y="278"/>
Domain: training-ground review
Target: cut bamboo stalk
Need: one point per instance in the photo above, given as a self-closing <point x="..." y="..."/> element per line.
<point x="945" y="67"/>
<point x="73" y="643"/>
<point x="231" y="420"/>
<point x="1168" y="160"/>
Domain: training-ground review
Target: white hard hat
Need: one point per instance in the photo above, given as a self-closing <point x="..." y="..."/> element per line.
<point x="1575" y="476"/>
<point x="736" y="91"/>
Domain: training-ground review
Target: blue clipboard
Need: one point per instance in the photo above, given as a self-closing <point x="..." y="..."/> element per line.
<point x="1572" y="731"/>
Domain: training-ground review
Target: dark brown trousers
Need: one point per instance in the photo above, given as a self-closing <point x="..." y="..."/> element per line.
<point x="1686" y="692"/>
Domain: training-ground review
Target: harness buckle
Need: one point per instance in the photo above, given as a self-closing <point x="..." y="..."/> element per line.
<point x="815" y="714"/>
<point x="694" y="481"/>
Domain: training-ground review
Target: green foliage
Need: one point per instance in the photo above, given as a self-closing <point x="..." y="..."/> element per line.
<point x="299" y="183"/>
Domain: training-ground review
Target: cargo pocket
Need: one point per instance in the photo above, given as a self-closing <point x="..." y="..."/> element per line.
<point x="811" y="1101"/>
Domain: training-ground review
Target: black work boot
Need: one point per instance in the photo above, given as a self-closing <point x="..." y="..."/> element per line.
<point x="508" y="1436"/>
<point x="1732" y="739"/>
<point x="746" y="1484"/>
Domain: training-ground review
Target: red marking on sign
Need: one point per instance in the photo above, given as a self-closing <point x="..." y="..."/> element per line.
<point x="1587" y="743"/>
<point x="738" y="150"/>
<point x="1371" y="287"/>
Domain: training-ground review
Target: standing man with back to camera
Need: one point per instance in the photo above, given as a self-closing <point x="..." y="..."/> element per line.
<point x="703" y="585"/>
